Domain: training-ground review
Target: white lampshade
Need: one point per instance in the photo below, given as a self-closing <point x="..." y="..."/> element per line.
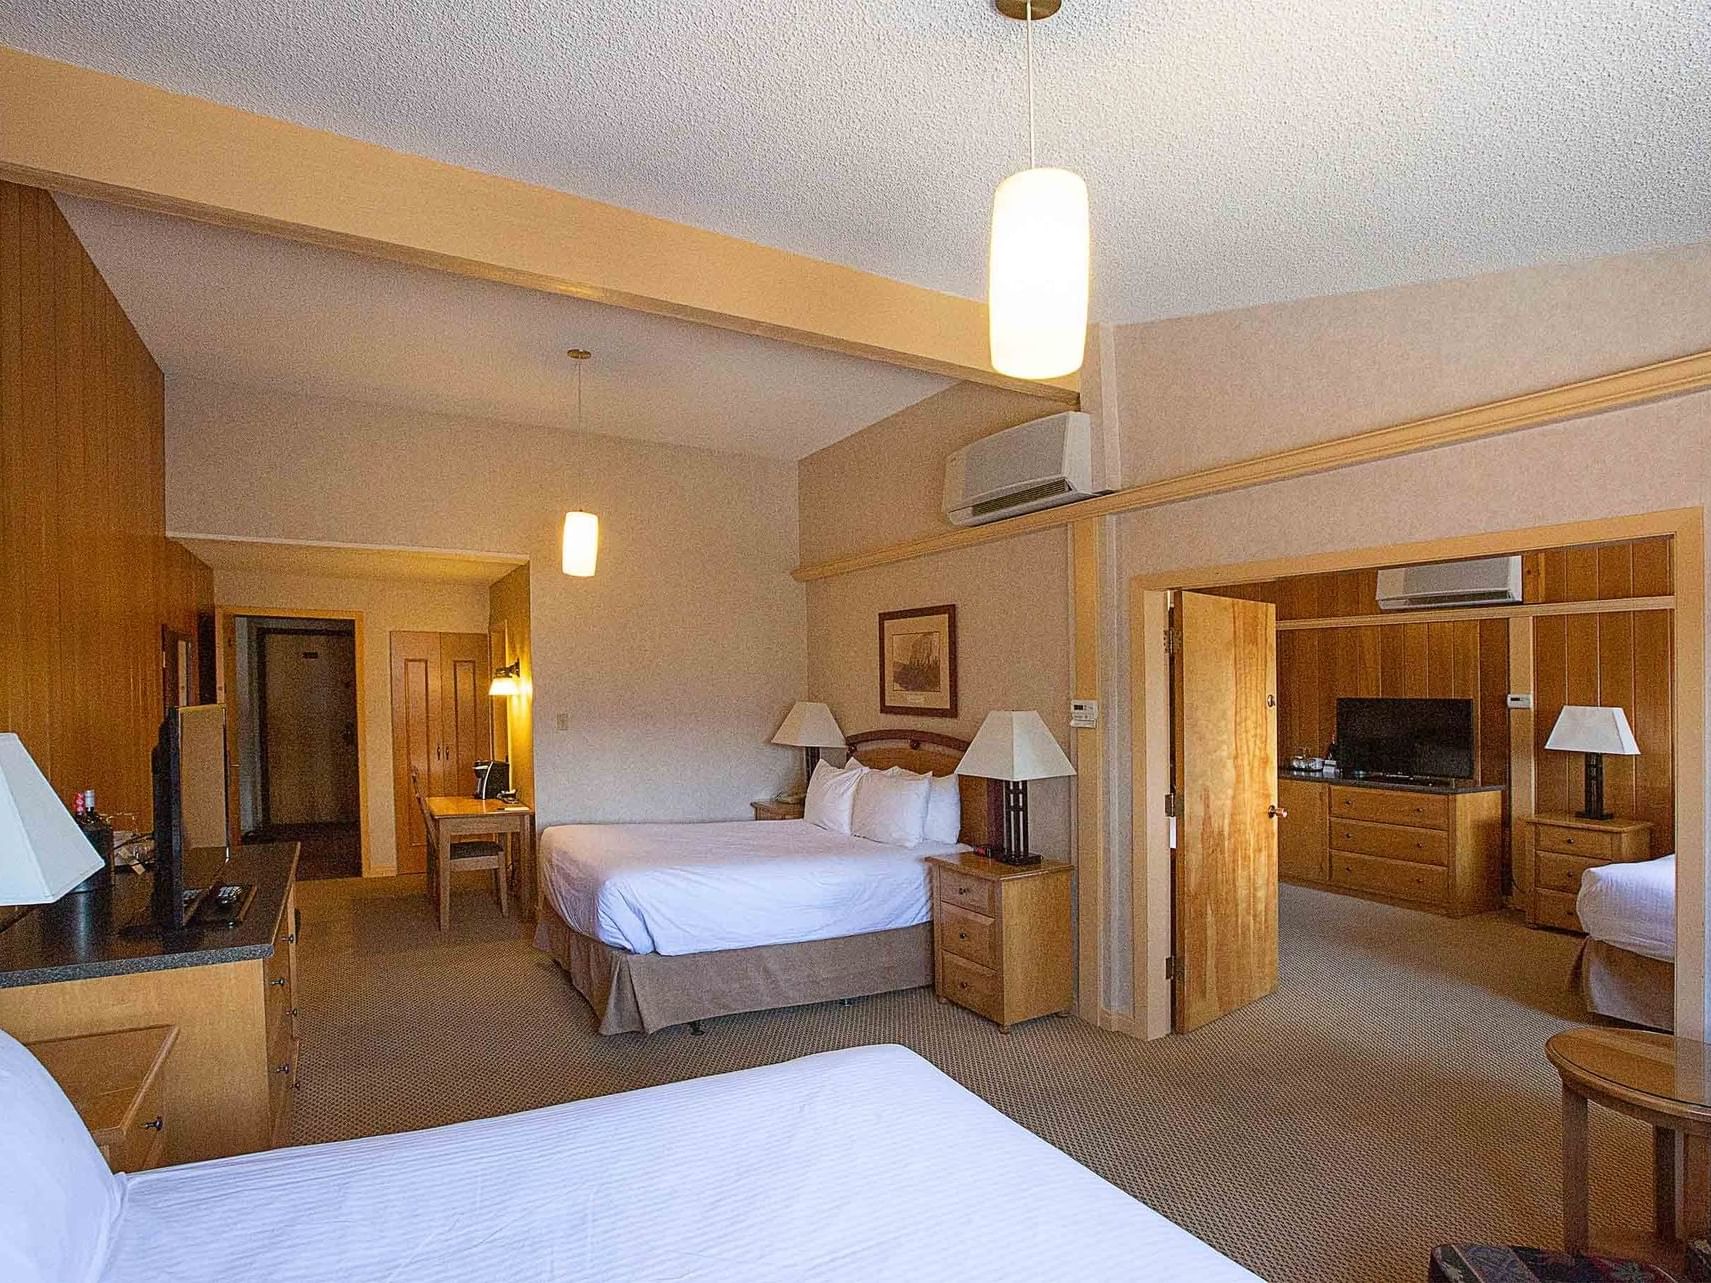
<point x="1584" y="728"/>
<point x="1036" y="294"/>
<point x="1014" y="746"/>
<point x="43" y="854"/>
<point x="503" y="687"/>
<point x="809" y="725"/>
<point x="581" y="543"/>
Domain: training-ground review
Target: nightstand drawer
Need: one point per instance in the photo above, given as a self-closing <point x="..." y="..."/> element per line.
<point x="1382" y="806"/>
<point x="953" y="887"/>
<point x="1556" y="909"/>
<point x="1554" y="871"/>
<point x="1392" y="841"/>
<point x="968" y="935"/>
<point x="144" y="1142"/>
<point x="1587" y="842"/>
<point x="973" y="986"/>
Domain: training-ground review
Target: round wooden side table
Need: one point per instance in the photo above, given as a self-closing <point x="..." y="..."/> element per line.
<point x="1659" y="1079"/>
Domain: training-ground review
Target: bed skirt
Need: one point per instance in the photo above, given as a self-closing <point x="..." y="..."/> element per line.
<point x="650" y="991"/>
<point x="1626" y="986"/>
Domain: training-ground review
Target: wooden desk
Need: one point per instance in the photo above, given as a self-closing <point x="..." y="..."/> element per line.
<point x="450" y="818"/>
<point x="1659" y="1079"/>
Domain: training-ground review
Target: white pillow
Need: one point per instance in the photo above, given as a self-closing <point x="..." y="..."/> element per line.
<point x="891" y="808"/>
<point x="831" y="794"/>
<point x="58" y="1201"/>
<point x="944" y="806"/>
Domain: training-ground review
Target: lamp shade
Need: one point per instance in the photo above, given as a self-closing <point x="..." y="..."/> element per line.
<point x="809" y="725"/>
<point x="1036" y="294"/>
<point x="1014" y="746"/>
<point x="1583" y="728"/>
<point x="581" y="543"/>
<point x="43" y="854"/>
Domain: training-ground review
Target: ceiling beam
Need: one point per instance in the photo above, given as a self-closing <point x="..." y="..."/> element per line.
<point x="91" y="134"/>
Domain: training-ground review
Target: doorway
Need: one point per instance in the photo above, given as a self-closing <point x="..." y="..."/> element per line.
<point x="292" y="687"/>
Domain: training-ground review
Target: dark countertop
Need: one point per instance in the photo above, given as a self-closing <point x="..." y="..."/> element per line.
<point x="110" y="933"/>
<point x="1331" y="777"/>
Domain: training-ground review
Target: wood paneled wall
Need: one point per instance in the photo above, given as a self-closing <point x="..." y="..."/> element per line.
<point x="1619" y="657"/>
<point x="87" y="575"/>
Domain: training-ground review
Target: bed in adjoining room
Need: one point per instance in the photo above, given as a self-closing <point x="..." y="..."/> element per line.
<point x="1626" y="967"/>
<point x="668" y="924"/>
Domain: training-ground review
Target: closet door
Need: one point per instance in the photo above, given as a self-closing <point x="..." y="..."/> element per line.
<point x="466" y="715"/>
<point x="416" y="717"/>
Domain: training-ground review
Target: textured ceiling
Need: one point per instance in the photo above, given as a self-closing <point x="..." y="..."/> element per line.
<point x="1237" y="152"/>
<point x="344" y="561"/>
<point x="238" y="307"/>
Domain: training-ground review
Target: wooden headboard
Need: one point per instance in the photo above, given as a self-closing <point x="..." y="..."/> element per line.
<point x="934" y="753"/>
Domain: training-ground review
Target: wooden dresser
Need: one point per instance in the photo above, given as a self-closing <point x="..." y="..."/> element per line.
<point x="1426" y="848"/>
<point x="1001" y="938"/>
<point x="1565" y="847"/>
<point x="88" y="965"/>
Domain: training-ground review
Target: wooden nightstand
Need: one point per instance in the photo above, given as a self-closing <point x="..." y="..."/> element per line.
<point x="1565" y="847"/>
<point x="776" y="810"/>
<point x="1001" y="942"/>
<point x="117" y="1082"/>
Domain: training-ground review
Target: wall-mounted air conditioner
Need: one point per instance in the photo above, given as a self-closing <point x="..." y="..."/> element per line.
<point x="1490" y="581"/>
<point x="1033" y="465"/>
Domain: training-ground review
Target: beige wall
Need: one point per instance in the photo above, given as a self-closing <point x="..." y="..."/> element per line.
<point x="385" y="606"/>
<point x="658" y="682"/>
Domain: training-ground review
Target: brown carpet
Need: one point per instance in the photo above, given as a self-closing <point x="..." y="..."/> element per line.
<point x="1392" y="1094"/>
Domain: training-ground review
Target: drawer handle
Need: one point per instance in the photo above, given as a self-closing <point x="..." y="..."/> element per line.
<point x="285" y="1068"/>
<point x="293" y="1013"/>
<point x="278" y="982"/>
<point x="1569" y="841"/>
<point x="962" y="984"/>
<point x="291" y="939"/>
<point x="155" y="1124"/>
<point x="962" y="935"/>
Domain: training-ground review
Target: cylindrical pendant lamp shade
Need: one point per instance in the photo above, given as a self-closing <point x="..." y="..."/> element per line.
<point x="581" y="543"/>
<point x="1038" y="274"/>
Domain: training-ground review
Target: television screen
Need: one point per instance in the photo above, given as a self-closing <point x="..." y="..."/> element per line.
<point x="1405" y="737"/>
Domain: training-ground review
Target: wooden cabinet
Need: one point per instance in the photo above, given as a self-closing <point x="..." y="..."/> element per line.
<point x="1001" y="938"/>
<point x="117" y="1083"/>
<point x="1430" y="850"/>
<point x="442" y="720"/>
<point x="1564" y="848"/>
<point x="776" y="810"/>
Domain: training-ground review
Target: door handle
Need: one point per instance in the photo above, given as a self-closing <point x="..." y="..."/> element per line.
<point x="1276" y="812"/>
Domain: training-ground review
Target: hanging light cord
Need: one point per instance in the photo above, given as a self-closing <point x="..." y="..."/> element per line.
<point x="1028" y="22"/>
<point x="579" y="366"/>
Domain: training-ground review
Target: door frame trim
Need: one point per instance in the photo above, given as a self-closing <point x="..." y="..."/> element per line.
<point x="1686" y="529"/>
<point x="223" y="613"/>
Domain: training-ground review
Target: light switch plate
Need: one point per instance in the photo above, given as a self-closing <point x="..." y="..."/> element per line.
<point x="562" y="721"/>
<point x="1084" y="712"/>
<point x="1522" y="699"/>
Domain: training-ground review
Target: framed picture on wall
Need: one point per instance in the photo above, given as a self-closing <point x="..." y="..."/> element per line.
<point x="917" y="662"/>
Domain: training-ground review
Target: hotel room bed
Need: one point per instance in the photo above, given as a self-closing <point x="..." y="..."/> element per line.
<point x="667" y="924"/>
<point x="1626" y="967"/>
<point x="860" y="1164"/>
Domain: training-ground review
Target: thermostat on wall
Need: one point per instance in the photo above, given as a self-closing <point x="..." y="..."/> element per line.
<point x="1523" y="699"/>
<point x="1083" y="712"/>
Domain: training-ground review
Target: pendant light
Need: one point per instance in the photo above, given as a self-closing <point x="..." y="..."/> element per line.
<point x="581" y="529"/>
<point x="1036" y="294"/>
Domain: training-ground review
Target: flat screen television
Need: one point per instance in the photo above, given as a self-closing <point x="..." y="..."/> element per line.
<point x="1406" y="738"/>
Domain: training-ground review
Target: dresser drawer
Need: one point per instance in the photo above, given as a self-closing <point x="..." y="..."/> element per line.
<point x="951" y="886"/>
<point x="144" y="1142"/>
<point x="1381" y="806"/>
<point x="1392" y="841"/>
<point x="1587" y="842"/>
<point x="1556" y="909"/>
<point x="1403" y="879"/>
<point x="968" y="935"/>
<point x="975" y="987"/>
<point x="1553" y="871"/>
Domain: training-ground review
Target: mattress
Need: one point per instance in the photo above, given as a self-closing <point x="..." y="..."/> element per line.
<point x="696" y="888"/>
<point x="1632" y="906"/>
<point x="852" y="1165"/>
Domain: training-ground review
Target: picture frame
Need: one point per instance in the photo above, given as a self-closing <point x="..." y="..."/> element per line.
<point x="918" y="662"/>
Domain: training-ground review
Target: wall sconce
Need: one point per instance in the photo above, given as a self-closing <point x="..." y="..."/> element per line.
<point x="505" y="680"/>
<point x="581" y="543"/>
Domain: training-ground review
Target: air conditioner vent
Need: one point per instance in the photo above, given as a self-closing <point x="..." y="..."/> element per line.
<point x="1034" y="465"/>
<point x="1489" y="581"/>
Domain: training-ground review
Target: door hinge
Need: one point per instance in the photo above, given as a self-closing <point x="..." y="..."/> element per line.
<point x="1173" y="805"/>
<point x="1173" y="641"/>
<point x="1170" y="967"/>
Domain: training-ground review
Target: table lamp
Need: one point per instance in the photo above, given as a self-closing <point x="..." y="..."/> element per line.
<point x="43" y="854"/>
<point x="809" y="727"/>
<point x="1015" y="747"/>
<point x="1594" y="731"/>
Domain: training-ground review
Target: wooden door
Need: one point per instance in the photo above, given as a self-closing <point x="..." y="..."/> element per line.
<point x="466" y="711"/>
<point x="416" y="684"/>
<point x="308" y="684"/>
<point x="1224" y="677"/>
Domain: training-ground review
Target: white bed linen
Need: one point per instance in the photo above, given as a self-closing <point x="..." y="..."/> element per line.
<point x="1631" y="905"/>
<point x="696" y="888"/>
<point x="853" y="1165"/>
